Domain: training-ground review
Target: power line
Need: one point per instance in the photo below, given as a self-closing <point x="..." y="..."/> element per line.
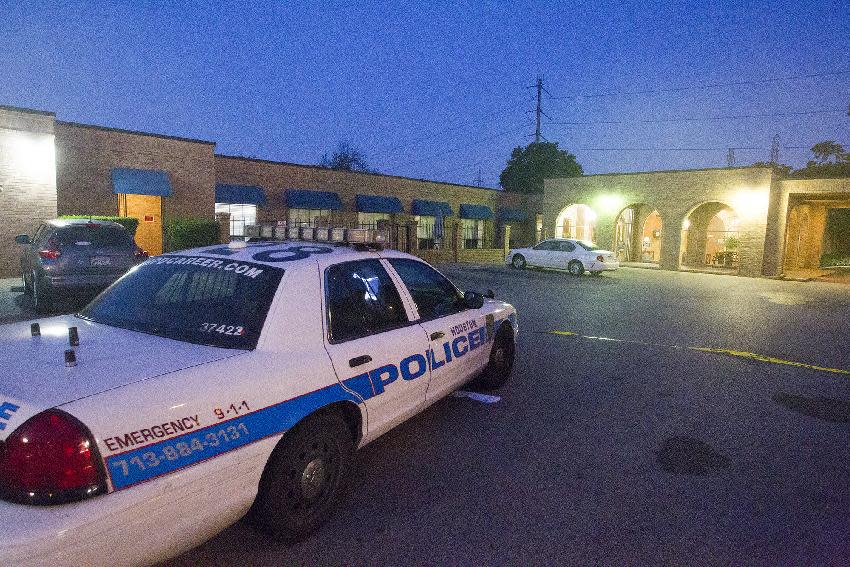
<point x="704" y="149"/>
<point x="705" y="86"/>
<point x="699" y="118"/>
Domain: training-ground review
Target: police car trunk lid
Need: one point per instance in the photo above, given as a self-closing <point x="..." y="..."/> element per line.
<point x="34" y="375"/>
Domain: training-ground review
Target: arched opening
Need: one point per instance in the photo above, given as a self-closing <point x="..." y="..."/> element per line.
<point x="710" y="237"/>
<point x="637" y="234"/>
<point x="576" y="221"/>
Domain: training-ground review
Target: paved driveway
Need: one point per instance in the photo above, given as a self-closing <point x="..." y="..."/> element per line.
<point x="14" y="304"/>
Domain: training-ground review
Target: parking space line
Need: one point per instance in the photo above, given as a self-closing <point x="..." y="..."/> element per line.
<point x="725" y="351"/>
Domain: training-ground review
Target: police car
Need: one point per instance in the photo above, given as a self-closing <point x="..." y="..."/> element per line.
<point x="210" y="382"/>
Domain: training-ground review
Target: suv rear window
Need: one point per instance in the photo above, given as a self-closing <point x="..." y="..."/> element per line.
<point x="97" y="235"/>
<point x="196" y="299"/>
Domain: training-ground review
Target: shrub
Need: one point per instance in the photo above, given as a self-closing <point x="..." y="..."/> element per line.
<point x="130" y="223"/>
<point x="181" y="234"/>
<point x="834" y="260"/>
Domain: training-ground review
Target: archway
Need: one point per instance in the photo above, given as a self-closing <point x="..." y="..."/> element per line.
<point x="576" y="221"/>
<point x="637" y="234"/>
<point x="710" y="237"/>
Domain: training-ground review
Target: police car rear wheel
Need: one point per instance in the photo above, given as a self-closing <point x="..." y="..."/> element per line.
<point x="306" y="478"/>
<point x="501" y="363"/>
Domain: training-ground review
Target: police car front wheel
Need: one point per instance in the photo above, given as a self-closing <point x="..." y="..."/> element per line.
<point x="305" y="478"/>
<point x="501" y="362"/>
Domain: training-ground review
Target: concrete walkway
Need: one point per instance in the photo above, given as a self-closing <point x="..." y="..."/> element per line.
<point x="14" y="304"/>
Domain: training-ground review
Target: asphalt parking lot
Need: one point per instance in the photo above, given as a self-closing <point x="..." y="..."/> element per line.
<point x="618" y="444"/>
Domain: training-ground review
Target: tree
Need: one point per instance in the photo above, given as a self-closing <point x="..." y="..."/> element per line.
<point x="831" y="161"/>
<point x="529" y="166"/>
<point x="828" y="152"/>
<point x="780" y="169"/>
<point x="346" y="158"/>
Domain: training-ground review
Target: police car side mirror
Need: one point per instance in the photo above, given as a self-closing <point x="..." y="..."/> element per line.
<point x="473" y="300"/>
<point x="22" y="239"/>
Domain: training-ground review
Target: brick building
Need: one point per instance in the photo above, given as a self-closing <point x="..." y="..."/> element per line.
<point x="741" y="220"/>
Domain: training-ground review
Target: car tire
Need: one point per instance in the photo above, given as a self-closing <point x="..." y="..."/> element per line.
<point x="501" y="363"/>
<point x="576" y="268"/>
<point x="518" y="262"/>
<point x="27" y="284"/>
<point x="305" y="479"/>
<point x="42" y="295"/>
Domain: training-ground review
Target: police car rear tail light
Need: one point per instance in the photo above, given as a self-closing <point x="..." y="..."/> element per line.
<point x="50" y="459"/>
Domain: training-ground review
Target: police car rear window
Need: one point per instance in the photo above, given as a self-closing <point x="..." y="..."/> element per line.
<point x="208" y="301"/>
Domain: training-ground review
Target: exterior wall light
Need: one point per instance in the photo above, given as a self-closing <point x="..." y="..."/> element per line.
<point x="34" y="155"/>
<point x="609" y="204"/>
<point x="751" y="203"/>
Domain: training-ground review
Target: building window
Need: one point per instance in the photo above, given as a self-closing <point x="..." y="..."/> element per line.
<point x="370" y="220"/>
<point x="309" y="217"/>
<point x="472" y="233"/>
<point x="425" y="232"/>
<point x="240" y="216"/>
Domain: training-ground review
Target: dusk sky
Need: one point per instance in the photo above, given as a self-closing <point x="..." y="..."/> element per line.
<point x="436" y="90"/>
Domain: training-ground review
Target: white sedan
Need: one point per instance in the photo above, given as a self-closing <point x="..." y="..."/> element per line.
<point x="577" y="256"/>
<point x="212" y="381"/>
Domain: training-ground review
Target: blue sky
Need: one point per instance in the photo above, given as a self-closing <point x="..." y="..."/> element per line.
<point x="436" y="90"/>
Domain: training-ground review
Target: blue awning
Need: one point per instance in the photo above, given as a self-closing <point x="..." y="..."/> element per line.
<point x="507" y="214"/>
<point x="141" y="182"/>
<point x="425" y="208"/>
<point x="239" y="194"/>
<point x="304" y="199"/>
<point x="475" y="212"/>
<point x="378" y="204"/>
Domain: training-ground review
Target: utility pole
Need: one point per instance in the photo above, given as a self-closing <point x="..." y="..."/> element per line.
<point x="539" y="110"/>
<point x="478" y="180"/>
<point x="730" y="158"/>
<point x="774" y="150"/>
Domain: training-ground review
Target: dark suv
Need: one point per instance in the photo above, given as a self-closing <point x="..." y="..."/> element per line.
<point x="75" y="255"/>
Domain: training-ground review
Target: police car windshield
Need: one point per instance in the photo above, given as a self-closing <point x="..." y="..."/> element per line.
<point x="210" y="301"/>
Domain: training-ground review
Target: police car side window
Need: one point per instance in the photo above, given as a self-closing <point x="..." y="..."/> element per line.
<point x="362" y="300"/>
<point x="567" y="246"/>
<point x="434" y="295"/>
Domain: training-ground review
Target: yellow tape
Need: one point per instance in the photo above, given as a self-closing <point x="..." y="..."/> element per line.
<point x="726" y="351"/>
<point x="770" y="359"/>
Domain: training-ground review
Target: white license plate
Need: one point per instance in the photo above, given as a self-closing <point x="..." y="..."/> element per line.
<point x="101" y="261"/>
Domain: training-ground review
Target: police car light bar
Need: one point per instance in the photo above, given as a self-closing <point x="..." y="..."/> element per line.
<point x="340" y="235"/>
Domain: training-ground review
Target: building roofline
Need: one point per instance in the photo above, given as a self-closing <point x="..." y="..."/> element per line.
<point x="27" y="110"/>
<point x="376" y="174"/>
<point x="135" y="132"/>
<point x="664" y="171"/>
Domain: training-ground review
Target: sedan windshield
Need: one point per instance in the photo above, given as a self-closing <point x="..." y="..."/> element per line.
<point x="587" y="245"/>
<point x="196" y="299"/>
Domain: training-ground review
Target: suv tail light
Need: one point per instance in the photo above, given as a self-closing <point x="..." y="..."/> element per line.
<point x="51" y="252"/>
<point x="50" y="459"/>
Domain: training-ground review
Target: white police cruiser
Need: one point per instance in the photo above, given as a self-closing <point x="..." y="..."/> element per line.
<point x="213" y="381"/>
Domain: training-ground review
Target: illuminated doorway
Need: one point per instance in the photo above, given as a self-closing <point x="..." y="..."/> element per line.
<point x="710" y="237"/>
<point x="148" y="209"/>
<point x="576" y="221"/>
<point x="637" y="234"/>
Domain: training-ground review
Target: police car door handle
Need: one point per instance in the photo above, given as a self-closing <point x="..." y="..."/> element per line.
<point x="358" y="360"/>
<point x="437" y="335"/>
